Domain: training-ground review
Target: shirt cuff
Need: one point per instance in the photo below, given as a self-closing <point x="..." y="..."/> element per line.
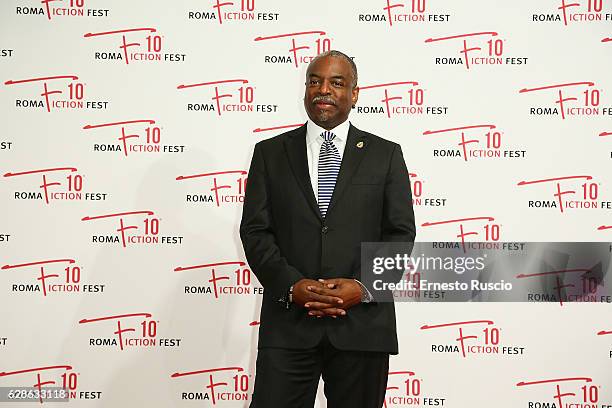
<point x="366" y="296"/>
<point x="287" y="299"/>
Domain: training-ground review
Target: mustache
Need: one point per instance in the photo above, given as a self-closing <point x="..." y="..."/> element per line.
<point x="324" y="99"/>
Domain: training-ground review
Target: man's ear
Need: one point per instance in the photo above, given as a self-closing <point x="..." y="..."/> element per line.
<point x="355" y="96"/>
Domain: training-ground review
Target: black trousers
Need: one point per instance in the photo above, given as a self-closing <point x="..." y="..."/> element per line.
<point x="287" y="378"/>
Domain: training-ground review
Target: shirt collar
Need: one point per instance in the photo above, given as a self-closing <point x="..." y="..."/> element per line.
<point x="313" y="131"/>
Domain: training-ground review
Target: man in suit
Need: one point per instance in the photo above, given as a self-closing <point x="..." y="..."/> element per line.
<point x="314" y="194"/>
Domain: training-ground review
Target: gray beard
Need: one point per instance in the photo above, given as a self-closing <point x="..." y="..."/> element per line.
<point x="323" y="116"/>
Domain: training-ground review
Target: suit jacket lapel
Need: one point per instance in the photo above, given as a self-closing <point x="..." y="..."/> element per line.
<point x="295" y="147"/>
<point x="356" y="146"/>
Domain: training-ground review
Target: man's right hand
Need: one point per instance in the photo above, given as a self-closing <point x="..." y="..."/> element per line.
<point x="303" y="296"/>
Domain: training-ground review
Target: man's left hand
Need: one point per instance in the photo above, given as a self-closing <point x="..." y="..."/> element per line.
<point x="347" y="289"/>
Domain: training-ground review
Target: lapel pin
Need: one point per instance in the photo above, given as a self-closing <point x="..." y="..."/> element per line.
<point x="359" y="145"/>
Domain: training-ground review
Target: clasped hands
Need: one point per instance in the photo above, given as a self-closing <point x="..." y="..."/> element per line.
<point x="327" y="297"/>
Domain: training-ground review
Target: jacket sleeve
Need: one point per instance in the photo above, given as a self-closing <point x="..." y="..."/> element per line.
<point x="398" y="214"/>
<point x="258" y="235"/>
<point x="398" y="226"/>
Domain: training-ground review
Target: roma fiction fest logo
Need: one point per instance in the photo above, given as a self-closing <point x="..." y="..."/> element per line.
<point x="6" y="53"/>
<point x="223" y="385"/>
<point x="133" y="137"/>
<point x="51" y="383"/>
<point x="404" y="388"/>
<point x="420" y="190"/>
<point x="60" y="92"/>
<point x="58" y="184"/>
<point x="474" y="49"/>
<point x="51" y="277"/>
<point x="482" y="228"/>
<point x="228" y="12"/>
<point x="60" y="9"/>
<point x="403" y="98"/>
<point x="573" y="99"/>
<point x="576" y="284"/>
<point x="132" y="330"/>
<point x="474" y="337"/>
<point x="600" y="333"/>
<point x="474" y="142"/>
<point x="564" y="392"/>
<point x="398" y="13"/>
<point x="223" y="278"/>
<point x="139" y="45"/>
<point x="572" y="192"/>
<point x="304" y="46"/>
<point x="234" y="96"/>
<point x="570" y="12"/>
<point x="226" y="187"/>
<point x="134" y="228"/>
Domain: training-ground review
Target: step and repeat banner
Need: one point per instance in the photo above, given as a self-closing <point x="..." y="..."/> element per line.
<point x="127" y="132"/>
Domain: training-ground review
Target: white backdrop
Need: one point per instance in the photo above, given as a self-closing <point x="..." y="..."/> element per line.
<point x="96" y="239"/>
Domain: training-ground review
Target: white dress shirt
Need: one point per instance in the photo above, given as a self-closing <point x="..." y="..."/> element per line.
<point x="314" y="141"/>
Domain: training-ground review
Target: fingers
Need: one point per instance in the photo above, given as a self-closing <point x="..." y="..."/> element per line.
<point x="321" y="290"/>
<point x="329" y="283"/>
<point x="330" y="311"/>
<point x="319" y="305"/>
<point x="318" y="309"/>
<point x="318" y="296"/>
<point x="335" y="281"/>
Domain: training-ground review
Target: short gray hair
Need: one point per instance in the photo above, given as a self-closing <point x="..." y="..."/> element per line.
<point x="338" y="54"/>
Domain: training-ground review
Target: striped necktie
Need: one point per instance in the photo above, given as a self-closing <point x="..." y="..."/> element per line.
<point x="329" y="166"/>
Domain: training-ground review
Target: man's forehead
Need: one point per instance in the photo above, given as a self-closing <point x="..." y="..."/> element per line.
<point x="335" y="75"/>
<point x="341" y="71"/>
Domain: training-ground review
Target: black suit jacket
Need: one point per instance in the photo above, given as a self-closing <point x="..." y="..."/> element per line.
<point x="285" y="239"/>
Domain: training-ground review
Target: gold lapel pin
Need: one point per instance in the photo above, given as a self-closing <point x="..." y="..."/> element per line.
<point x="359" y="144"/>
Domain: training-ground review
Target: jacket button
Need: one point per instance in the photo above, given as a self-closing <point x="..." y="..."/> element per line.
<point x="325" y="229"/>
